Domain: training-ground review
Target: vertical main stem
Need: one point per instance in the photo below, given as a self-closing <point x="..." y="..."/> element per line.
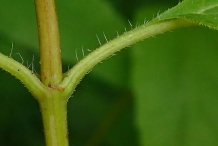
<point x="49" y="42"/>
<point x="54" y="113"/>
<point x="53" y="105"/>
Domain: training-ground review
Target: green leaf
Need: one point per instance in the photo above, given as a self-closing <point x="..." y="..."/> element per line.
<point x="174" y="81"/>
<point x="88" y="110"/>
<point x="79" y="23"/>
<point x="202" y="12"/>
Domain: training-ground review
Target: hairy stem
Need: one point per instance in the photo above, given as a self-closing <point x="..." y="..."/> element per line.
<point x="74" y="75"/>
<point x="53" y="105"/>
<point x="54" y="113"/>
<point x="27" y="77"/>
<point x="49" y="43"/>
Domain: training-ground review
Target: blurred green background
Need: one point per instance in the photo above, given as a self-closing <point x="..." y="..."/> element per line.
<point x="160" y="92"/>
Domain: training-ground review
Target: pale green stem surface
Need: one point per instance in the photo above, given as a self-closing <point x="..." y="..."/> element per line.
<point x="53" y="99"/>
<point x="54" y="113"/>
<point x="74" y="75"/>
<point x="27" y="77"/>
<point x="53" y="106"/>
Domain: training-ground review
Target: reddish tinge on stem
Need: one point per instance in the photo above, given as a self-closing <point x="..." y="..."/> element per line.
<point x="49" y="43"/>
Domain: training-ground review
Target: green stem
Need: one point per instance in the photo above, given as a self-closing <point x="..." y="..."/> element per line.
<point x="49" y="43"/>
<point x="54" y="113"/>
<point x="74" y="75"/>
<point x="53" y="105"/>
<point x="27" y="77"/>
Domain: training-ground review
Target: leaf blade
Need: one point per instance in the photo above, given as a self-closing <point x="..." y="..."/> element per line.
<point x="202" y="12"/>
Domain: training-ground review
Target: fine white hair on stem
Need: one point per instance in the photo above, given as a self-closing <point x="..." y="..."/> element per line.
<point x="88" y="72"/>
<point x="98" y="40"/>
<point x="32" y="64"/>
<point x="83" y="52"/>
<point x="34" y="71"/>
<point x="158" y="14"/>
<point x="130" y="23"/>
<point x="137" y="24"/>
<point x="105" y="37"/>
<point x="118" y="33"/>
<point x="68" y="67"/>
<point x="76" y="55"/>
<point x="12" y="47"/>
<point x="28" y="65"/>
<point x="145" y="21"/>
<point x="20" y="57"/>
<point x="126" y="39"/>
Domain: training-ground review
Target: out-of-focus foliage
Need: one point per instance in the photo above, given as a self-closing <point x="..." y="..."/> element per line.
<point x="174" y="81"/>
<point x="159" y="92"/>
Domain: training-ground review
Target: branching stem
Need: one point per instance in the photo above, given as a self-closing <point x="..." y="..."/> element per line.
<point x="52" y="92"/>
<point x="52" y="104"/>
<point x="29" y="79"/>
